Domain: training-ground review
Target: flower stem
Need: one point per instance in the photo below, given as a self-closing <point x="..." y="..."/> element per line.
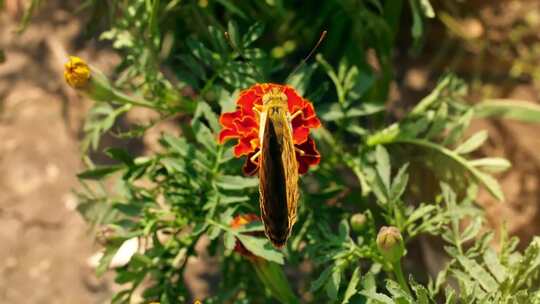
<point x="274" y="279"/>
<point x="125" y="99"/>
<point x="398" y="272"/>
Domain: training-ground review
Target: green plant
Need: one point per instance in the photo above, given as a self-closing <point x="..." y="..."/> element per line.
<point x="178" y="63"/>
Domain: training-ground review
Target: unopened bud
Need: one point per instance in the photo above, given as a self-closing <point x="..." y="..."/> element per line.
<point x="76" y="72"/>
<point x="88" y="80"/>
<point x="358" y="222"/>
<point x="390" y="244"/>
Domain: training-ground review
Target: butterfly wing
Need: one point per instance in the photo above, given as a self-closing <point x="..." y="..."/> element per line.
<point x="278" y="177"/>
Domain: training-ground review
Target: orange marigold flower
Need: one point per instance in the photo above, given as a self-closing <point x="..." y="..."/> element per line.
<point x="242" y="220"/>
<point x="243" y="125"/>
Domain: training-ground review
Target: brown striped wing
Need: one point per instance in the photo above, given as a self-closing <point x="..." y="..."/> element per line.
<point x="278" y="177"/>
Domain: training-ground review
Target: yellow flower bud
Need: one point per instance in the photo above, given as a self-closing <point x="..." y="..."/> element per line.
<point x="77" y="72"/>
<point x="92" y="83"/>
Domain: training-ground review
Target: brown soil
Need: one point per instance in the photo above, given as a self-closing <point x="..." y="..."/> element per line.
<point x="44" y="242"/>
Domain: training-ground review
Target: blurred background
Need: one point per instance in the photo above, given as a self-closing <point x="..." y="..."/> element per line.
<point x="45" y="246"/>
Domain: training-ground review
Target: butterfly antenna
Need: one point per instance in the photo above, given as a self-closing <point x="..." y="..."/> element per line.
<point x="303" y="62"/>
<point x="248" y="61"/>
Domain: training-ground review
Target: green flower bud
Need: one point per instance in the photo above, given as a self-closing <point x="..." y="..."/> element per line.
<point x="358" y="222"/>
<point x="390" y="244"/>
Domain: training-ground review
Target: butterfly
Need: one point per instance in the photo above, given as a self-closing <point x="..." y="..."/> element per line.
<point x="277" y="156"/>
<point x="278" y="167"/>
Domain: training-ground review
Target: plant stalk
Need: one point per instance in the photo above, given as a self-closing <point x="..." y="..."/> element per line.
<point x="398" y="272"/>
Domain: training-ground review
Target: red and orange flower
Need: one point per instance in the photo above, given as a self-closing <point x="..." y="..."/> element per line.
<point x="243" y="125"/>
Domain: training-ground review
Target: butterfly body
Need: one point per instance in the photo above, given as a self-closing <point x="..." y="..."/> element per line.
<point x="278" y="171"/>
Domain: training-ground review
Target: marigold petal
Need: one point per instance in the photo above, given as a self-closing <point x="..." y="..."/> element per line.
<point x="300" y="135"/>
<point x="244" y="146"/>
<point x="227" y="134"/>
<point x="295" y="102"/>
<point x="243" y="219"/>
<point x="246" y="125"/>
<point x="226" y="119"/>
<point x="310" y="157"/>
<point x="247" y="101"/>
<point x="308" y="110"/>
<point x="312" y="122"/>
<point x="76" y="72"/>
<point x="302" y="167"/>
<point x="243" y="124"/>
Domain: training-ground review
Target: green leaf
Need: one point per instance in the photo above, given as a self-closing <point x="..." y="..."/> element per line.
<point x="319" y="282"/>
<point x="234" y="182"/>
<point x="433" y="97"/>
<point x="238" y="74"/>
<point x="253" y="33"/>
<point x="194" y="66"/>
<point x="397" y="292"/>
<point x="450" y="295"/>
<point x="213" y="232"/>
<point x="440" y="120"/>
<point x="351" y="288"/>
<point x="205" y="137"/>
<point x="472" y="229"/>
<point x="509" y="109"/>
<point x="491" y="164"/>
<point x="130" y="209"/>
<point x="262" y="248"/>
<point x="422" y="294"/>
<point x="233" y="199"/>
<point x="473" y="143"/>
<point x="489" y="182"/>
<point x="205" y="55"/>
<point x="399" y="184"/>
<point x="494" y="266"/>
<point x="417" y="29"/>
<point x="253" y="226"/>
<point x="229" y="5"/>
<point x="427" y="9"/>
<point x="300" y="79"/>
<point x="204" y="110"/>
<point x="332" y="285"/>
<point x="457" y="128"/>
<point x="478" y="273"/>
<point x="229" y="241"/>
<point x="120" y="155"/>
<point x="383" y="165"/>
<point x="333" y="76"/>
<point x="106" y="260"/>
<point x="419" y="213"/>
<point x="365" y="109"/>
<point x="234" y="35"/>
<point x="177" y="144"/>
<point x="99" y="172"/>
<point x="344" y="229"/>
<point x="378" y="298"/>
